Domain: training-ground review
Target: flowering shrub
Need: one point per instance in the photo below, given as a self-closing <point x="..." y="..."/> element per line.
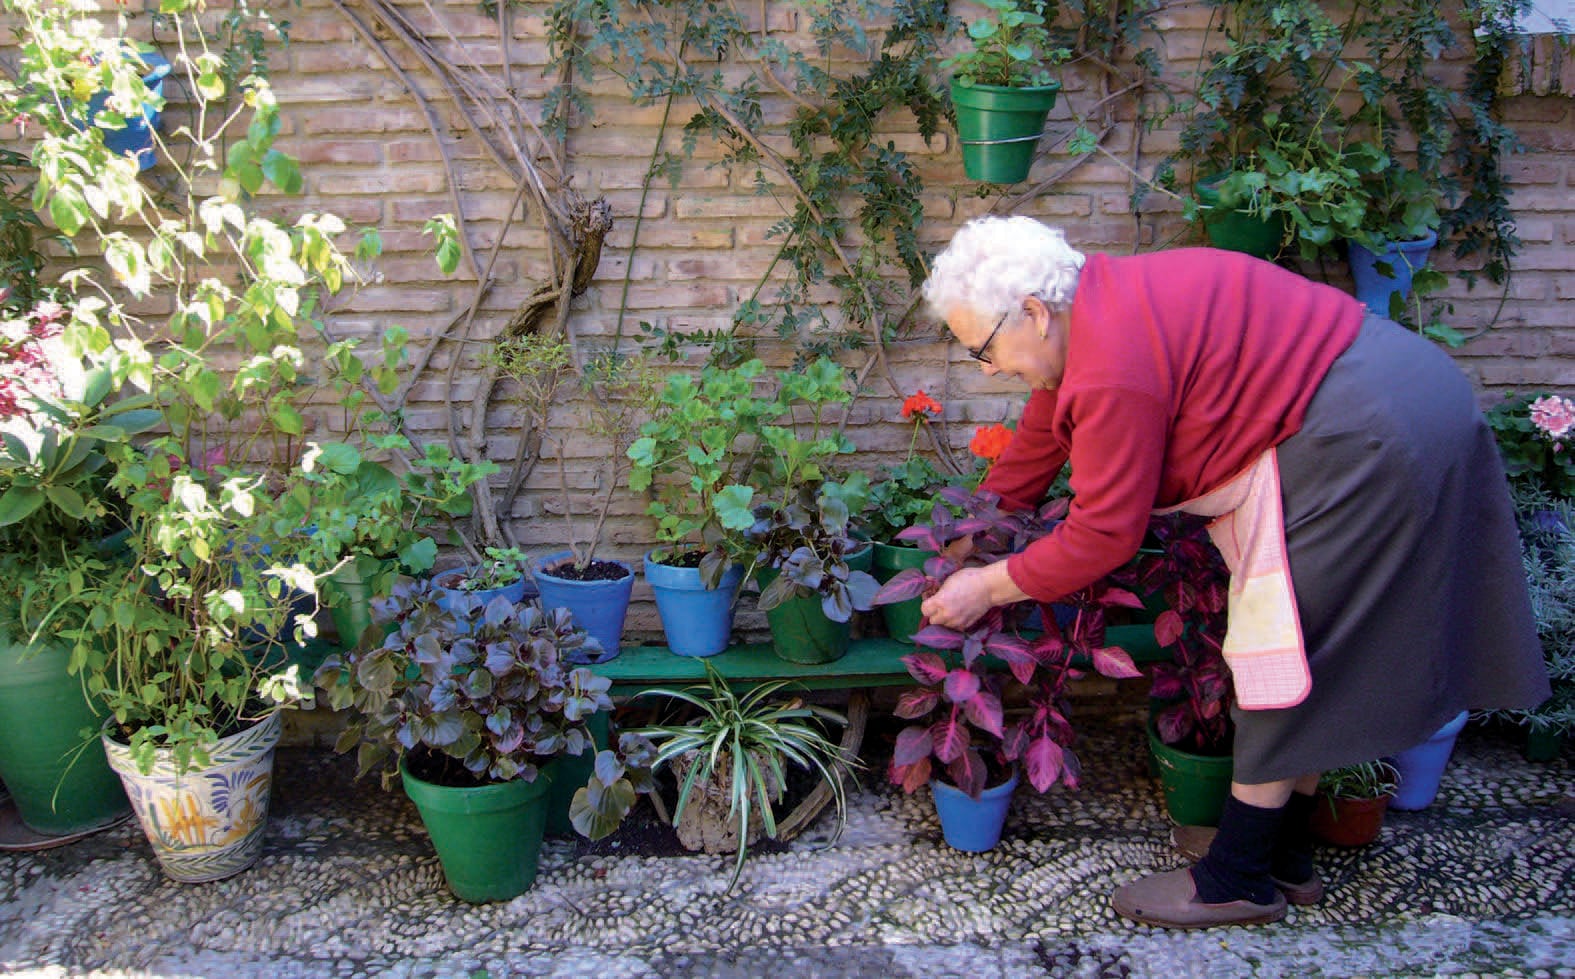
<point x="24" y="366"/>
<point x="1535" y="433"/>
<point x="958" y="703"/>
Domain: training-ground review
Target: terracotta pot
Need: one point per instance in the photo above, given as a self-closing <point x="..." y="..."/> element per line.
<point x="1348" y="822"/>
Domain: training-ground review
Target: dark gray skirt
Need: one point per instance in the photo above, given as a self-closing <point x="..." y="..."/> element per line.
<point x="1405" y="559"/>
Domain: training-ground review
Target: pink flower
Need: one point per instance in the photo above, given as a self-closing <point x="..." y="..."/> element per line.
<point x="1555" y="416"/>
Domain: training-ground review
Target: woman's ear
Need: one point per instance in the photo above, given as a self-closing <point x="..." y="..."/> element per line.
<point x="1035" y="309"/>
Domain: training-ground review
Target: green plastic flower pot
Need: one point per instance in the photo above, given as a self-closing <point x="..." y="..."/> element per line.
<point x="1236" y="230"/>
<point x="1195" y="786"/>
<point x="487" y="838"/>
<point x="348" y="594"/>
<point x="800" y="631"/>
<point x="1544" y="743"/>
<point x="569" y="775"/>
<point x="999" y="128"/>
<point x="902" y="618"/>
<point x="62" y="783"/>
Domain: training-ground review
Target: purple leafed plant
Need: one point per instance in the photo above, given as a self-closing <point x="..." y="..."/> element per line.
<point x="1196" y="685"/>
<point x="964" y="675"/>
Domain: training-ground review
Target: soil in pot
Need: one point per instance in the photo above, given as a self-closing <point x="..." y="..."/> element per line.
<point x="595" y="571"/>
<point x="686" y="559"/>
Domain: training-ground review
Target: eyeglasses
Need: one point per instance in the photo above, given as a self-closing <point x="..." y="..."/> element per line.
<point x="978" y="353"/>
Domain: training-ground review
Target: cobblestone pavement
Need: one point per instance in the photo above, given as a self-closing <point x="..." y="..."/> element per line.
<point x="1481" y="883"/>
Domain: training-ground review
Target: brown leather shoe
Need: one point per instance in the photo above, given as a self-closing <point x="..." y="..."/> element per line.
<point x="1170" y="900"/>
<point x="1193" y="843"/>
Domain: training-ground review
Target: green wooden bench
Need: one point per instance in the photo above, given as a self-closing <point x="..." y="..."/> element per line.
<point x="873" y="662"/>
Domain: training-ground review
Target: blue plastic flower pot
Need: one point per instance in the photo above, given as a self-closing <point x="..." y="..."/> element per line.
<point x="1421" y="768"/>
<point x="1373" y="286"/>
<point x="973" y="825"/>
<point x="444" y="590"/>
<point x="598" y="607"/>
<point x="136" y="137"/>
<point x="698" y="620"/>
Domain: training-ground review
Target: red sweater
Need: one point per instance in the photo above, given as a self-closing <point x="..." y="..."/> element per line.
<point x="1182" y="367"/>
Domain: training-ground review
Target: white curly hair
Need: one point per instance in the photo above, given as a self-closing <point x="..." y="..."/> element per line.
<point x="992" y="263"/>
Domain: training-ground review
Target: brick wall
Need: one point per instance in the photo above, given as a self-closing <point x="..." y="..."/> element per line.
<point x="369" y="154"/>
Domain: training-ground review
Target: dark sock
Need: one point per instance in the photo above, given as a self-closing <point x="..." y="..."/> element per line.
<point x="1236" y="867"/>
<point x="1292" y="860"/>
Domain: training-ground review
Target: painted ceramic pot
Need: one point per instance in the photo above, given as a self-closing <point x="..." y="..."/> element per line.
<point x="205" y="823"/>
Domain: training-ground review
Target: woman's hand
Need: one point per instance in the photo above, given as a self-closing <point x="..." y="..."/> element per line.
<point x="970" y="593"/>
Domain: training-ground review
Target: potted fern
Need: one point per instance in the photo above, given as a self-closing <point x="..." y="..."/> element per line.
<point x="1002" y="88"/>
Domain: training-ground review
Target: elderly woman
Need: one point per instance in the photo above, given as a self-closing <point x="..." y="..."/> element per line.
<point x="1376" y="586"/>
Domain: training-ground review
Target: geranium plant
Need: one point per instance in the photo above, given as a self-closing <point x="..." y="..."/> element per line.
<point x="801" y="515"/>
<point x="1536" y="440"/>
<point x="962" y="723"/>
<point x="904" y="494"/>
<point x="1011" y="46"/>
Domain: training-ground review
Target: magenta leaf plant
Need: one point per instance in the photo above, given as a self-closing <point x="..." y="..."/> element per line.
<point x="961" y="728"/>
<point x="1195" y="686"/>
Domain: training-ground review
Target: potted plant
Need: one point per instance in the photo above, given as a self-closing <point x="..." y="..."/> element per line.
<point x="964" y="747"/>
<point x="184" y="641"/>
<point x="58" y="414"/>
<point x="128" y="114"/>
<point x="470" y="704"/>
<point x="502" y="572"/>
<point x="1002" y="88"/>
<point x="900" y="496"/>
<point x="618" y="392"/>
<point x="1350" y="804"/>
<point x="730" y="755"/>
<point x="813" y="573"/>
<point x="1534" y="434"/>
<point x="362" y="525"/>
<point x="1399" y="227"/>
<point x="1189" y="728"/>
<point x="694" y="570"/>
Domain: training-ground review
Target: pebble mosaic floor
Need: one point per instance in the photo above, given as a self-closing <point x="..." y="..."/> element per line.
<point x="1481" y="883"/>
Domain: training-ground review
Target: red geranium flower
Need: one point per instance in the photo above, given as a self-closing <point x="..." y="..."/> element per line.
<point x="989" y="441"/>
<point x="918" y="403"/>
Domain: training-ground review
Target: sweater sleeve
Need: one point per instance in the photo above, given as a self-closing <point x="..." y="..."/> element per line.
<point x="1024" y="472"/>
<point x="1118" y="446"/>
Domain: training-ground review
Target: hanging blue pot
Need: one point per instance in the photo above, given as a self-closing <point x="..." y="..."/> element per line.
<point x="1421" y="768"/>
<point x="598" y="607"/>
<point x="1373" y="286"/>
<point x="136" y="136"/>
<point x="698" y="620"/>
<point x="973" y="825"/>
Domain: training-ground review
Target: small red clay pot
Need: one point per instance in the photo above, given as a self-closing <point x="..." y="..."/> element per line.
<point x="1352" y="822"/>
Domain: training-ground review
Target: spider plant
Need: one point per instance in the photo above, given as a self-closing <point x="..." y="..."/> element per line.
<point x="745" y="740"/>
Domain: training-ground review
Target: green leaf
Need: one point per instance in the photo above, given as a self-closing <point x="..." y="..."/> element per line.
<point x="68" y="210"/>
<point x="68" y="500"/>
<point x="282" y="171"/>
<point x="211" y="86"/>
<point x="732" y="506"/>
<point x="18" y="503"/>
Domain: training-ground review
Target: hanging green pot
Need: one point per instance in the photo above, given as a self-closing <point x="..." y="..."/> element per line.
<point x="999" y="128"/>
<point x="487" y="838"/>
<point x="1195" y="786"/>
<point x="1236" y="230"/>
<point x="62" y="784"/>
<point x="800" y="631"/>
<point x="902" y="618"/>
